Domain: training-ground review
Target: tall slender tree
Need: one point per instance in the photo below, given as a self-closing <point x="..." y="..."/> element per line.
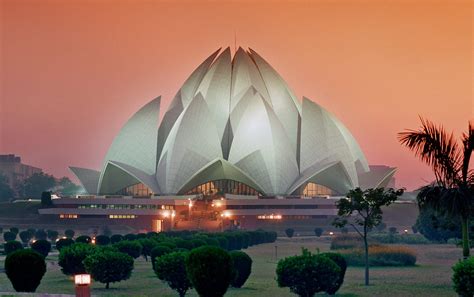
<point x="452" y="193"/>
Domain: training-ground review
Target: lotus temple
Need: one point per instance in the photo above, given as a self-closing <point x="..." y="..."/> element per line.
<point x="234" y="149"/>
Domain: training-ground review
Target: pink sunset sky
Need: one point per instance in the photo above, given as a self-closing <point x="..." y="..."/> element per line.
<point x="72" y="72"/>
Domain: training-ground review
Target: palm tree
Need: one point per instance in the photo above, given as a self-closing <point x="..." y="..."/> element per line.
<point x="452" y="192"/>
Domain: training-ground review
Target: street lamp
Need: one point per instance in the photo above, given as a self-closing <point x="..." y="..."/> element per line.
<point x="82" y="285"/>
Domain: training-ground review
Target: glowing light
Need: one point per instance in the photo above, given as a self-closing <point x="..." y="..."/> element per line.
<point x="270" y="217"/>
<point x="331" y="233"/>
<point x="225" y="214"/>
<point x="173" y="214"/>
<point x="82" y="279"/>
<point x="406" y="231"/>
<point x="166" y="214"/>
<point x="93" y="240"/>
<point x="218" y="204"/>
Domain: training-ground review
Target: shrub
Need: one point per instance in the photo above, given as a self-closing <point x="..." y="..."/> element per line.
<point x="52" y="235"/>
<point x="381" y="256"/>
<point x="108" y="266"/>
<point x="380" y="227"/>
<point x="157" y="252"/>
<point x="307" y="274"/>
<point x="184" y="244"/>
<point x="25" y="269"/>
<point x="392" y="230"/>
<point x="318" y="232"/>
<point x="341" y="262"/>
<point x="171" y="268"/>
<point x="242" y="268"/>
<point x="198" y="243"/>
<point x="398" y="238"/>
<point x="84" y="239"/>
<point x="116" y="238"/>
<point x="346" y="241"/>
<point x="212" y="241"/>
<point x="14" y="230"/>
<point x="25" y="236"/>
<point x="71" y="258"/>
<point x="210" y="270"/>
<point x="289" y="232"/>
<point x="9" y="236"/>
<point x="102" y="240"/>
<point x="131" y="248"/>
<point x="223" y="242"/>
<point x="40" y="234"/>
<point x="147" y="246"/>
<point x="463" y="277"/>
<point x="43" y="247"/>
<point x="11" y="246"/>
<point x="69" y="233"/>
<point x="63" y="242"/>
<point x="130" y="237"/>
<point x="414" y="229"/>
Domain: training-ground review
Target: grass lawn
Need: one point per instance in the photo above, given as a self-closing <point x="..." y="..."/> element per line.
<point x="431" y="276"/>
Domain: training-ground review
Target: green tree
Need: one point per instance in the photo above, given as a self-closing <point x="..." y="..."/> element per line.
<point x="25" y="236"/>
<point x="25" y="269"/>
<point x="69" y="233"/>
<point x="36" y="184"/>
<point x="66" y="187"/>
<point x="463" y="277"/>
<point x="362" y="210"/>
<point x="171" y="268"/>
<point x="453" y="190"/>
<point x="71" y="257"/>
<point x="11" y="246"/>
<point x="6" y="193"/>
<point x="210" y="270"/>
<point x="107" y="266"/>
<point x="63" y="242"/>
<point x="9" y="236"/>
<point x="131" y="248"/>
<point x="52" y="235"/>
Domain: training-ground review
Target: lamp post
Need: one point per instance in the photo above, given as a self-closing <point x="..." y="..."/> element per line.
<point x="82" y="285"/>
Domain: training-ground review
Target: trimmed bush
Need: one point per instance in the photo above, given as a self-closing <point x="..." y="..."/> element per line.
<point x="346" y="241"/>
<point x="147" y="245"/>
<point x="14" y="230"/>
<point x="341" y="262"/>
<point x="25" y="236"/>
<point x="52" y="235"/>
<point x="43" y="247"/>
<point x="381" y="256"/>
<point x="63" y="242"/>
<point x="463" y="277"/>
<point x="130" y="237"/>
<point x="71" y="258"/>
<point x="392" y="230"/>
<point x="40" y="234"/>
<point x="210" y="270"/>
<point x="183" y="243"/>
<point x="171" y="268"/>
<point x="102" y="240"/>
<point x="25" y="269"/>
<point x="157" y="252"/>
<point x="307" y="274"/>
<point x="318" y="232"/>
<point x="290" y="232"/>
<point x="116" y="238"/>
<point x="198" y="243"/>
<point x="9" y="236"/>
<point x="69" y="233"/>
<point x="223" y="242"/>
<point x="84" y="239"/>
<point x="108" y="266"/>
<point x="131" y="248"/>
<point x="11" y="246"/>
<point x="242" y="264"/>
<point x="398" y="238"/>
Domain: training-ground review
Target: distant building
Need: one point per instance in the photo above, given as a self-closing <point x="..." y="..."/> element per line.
<point x="15" y="171"/>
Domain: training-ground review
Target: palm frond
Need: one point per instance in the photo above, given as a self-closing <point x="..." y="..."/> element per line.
<point x="468" y="147"/>
<point x="434" y="146"/>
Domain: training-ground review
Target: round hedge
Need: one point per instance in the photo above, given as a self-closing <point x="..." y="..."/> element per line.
<point x="210" y="270"/>
<point x="157" y="252"/>
<point x="109" y="266"/>
<point x="463" y="277"/>
<point x="11" y="246"/>
<point x="64" y="242"/>
<point x="41" y="246"/>
<point x="116" y="238"/>
<point x="84" y="239"/>
<point x="131" y="248"/>
<point x="171" y="268"/>
<point x="341" y="262"/>
<point x="102" y="240"/>
<point x="25" y="269"/>
<point x="71" y="257"/>
<point x="242" y="264"/>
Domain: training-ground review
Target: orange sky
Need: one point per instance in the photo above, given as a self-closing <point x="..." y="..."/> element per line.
<point x="72" y="72"/>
